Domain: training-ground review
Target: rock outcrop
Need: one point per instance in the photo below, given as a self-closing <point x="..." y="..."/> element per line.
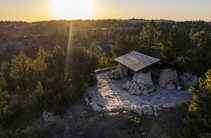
<point x="96" y="108"/>
<point x="188" y="79"/>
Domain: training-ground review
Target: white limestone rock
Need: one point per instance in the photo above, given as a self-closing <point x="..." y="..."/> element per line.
<point x="179" y="87"/>
<point x="166" y="76"/>
<point x="171" y="86"/>
<point x="188" y="79"/>
<point x="137" y="109"/>
<point x="151" y="89"/>
<point x="145" y="92"/>
<point x="147" y="110"/>
<point x="49" y="118"/>
<point x="136" y="87"/>
<point x="143" y="78"/>
<point x="95" y="107"/>
<point x="87" y="100"/>
<point x="83" y="113"/>
<point x="123" y="86"/>
<point x="114" y="74"/>
<point x="138" y="92"/>
<point x="128" y="84"/>
<point x="132" y="92"/>
<point x="156" y="114"/>
<point x="130" y="89"/>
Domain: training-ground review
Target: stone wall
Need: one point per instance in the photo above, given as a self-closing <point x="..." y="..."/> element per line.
<point x="122" y="70"/>
<point x="168" y="78"/>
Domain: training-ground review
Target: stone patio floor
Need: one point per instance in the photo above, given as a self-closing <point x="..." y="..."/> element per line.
<point x="109" y="95"/>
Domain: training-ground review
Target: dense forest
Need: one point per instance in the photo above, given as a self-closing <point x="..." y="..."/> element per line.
<point x="50" y="65"/>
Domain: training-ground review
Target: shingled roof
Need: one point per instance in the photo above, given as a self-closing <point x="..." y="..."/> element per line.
<point x="136" y="61"/>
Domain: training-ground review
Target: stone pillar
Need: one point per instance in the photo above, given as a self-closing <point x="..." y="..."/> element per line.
<point x="167" y="76"/>
<point x="122" y="70"/>
<point x="143" y="78"/>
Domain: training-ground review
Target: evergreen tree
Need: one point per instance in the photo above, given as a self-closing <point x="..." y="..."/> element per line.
<point x="149" y="37"/>
<point x="177" y="44"/>
<point x="124" y="45"/>
<point x="198" y="121"/>
<point x="197" y="59"/>
<point x="81" y="68"/>
<point x="94" y="50"/>
<point x="19" y="70"/>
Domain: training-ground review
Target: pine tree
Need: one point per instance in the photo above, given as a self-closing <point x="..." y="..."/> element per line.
<point x="198" y="122"/>
<point x="149" y="36"/>
<point x="19" y="70"/>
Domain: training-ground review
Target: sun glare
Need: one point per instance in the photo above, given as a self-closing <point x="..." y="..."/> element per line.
<point x="73" y="9"/>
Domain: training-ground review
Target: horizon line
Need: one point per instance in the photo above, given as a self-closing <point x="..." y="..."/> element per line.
<point x="95" y="19"/>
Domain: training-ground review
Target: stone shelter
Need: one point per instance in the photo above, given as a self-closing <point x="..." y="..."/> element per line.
<point x="145" y="70"/>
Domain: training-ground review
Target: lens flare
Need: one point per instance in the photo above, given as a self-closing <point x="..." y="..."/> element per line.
<point x="72" y="9"/>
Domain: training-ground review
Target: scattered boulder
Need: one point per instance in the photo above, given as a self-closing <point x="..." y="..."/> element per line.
<point x="132" y="92"/>
<point x="49" y="118"/>
<point x="188" y="79"/>
<point x="123" y="86"/>
<point x="156" y="114"/>
<point x="87" y="101"/>
<point x="83" y="113"/>
<point x="171" y="86"/>
<point x="95" y="107"/>
<point x="137" y="109"/>
<point x="179" y="87"/>
<point x="114" y="74"/>
<point x="151" y="89"/>
<point x="145" y="92"/>
<point x="100" y="48"/>
<point x="135" y="88"/>
<point x="147" y="110"/>
<point x="138" y="92"/>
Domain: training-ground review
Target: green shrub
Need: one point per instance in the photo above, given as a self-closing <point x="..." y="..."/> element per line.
<point x="133" y="123"/>
<point x="6" y="133"/>
<point x="197" y="123"/>
<point x="92" y="80"/>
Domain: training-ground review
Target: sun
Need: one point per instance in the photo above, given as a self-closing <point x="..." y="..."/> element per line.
<point x="72" y="9"/>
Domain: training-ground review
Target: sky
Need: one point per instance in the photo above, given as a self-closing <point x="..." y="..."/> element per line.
<point x="37" y="10"/>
